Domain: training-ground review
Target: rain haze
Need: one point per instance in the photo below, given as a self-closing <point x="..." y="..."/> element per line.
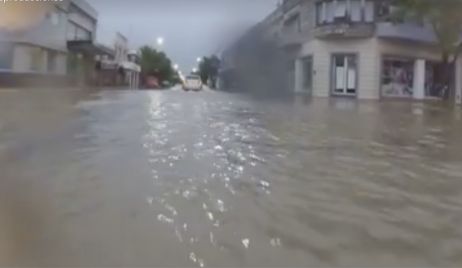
<point x="230" y="133"/>
<point x="206" y="26"/>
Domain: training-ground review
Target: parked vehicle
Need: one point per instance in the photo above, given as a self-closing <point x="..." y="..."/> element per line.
<point x="166" y="84"/>
<point x="192" y="82"/>
<point x="152" y="82"/>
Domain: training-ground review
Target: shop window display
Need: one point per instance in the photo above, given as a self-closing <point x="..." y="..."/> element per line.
<point x="397" y="77"/>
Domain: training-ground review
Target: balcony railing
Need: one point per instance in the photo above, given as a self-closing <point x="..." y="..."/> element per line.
<point x="345" y="30"/>
<point x="292" y="38"/>
<point x="405" y="31"/>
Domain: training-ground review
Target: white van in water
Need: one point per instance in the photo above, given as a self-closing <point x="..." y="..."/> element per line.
<point x="192" y="82"/>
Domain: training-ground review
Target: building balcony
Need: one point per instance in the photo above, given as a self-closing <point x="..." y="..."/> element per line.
<point x="404" y="31"/>
<point x="344" y="30"/>
<point x="289" y="4"/>
<point x="85" y="7"/>
<point x="292" y="39"/>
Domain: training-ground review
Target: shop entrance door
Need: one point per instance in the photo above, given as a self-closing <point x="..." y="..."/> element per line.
<point x="344" y="75"/>
<point x="308" y="74"/>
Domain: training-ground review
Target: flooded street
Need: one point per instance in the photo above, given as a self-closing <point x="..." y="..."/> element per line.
<point x="168" y="178"/>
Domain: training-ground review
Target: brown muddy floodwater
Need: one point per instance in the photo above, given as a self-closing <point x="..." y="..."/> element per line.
<point x="168" y="178"/>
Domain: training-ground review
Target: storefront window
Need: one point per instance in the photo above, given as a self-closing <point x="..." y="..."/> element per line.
<point x="74" y="32"/>
<point x="71" y="29"/>
<point x="293" y="24"/>
<point x="397" y="77"/>
<point x="6" y="56"/>
<point x="435" y="76"/>
<point x="82" y="34"/>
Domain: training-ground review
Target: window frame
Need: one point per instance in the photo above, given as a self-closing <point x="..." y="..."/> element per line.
<point x="322" y="11"/>
<point x="36" y="59"/>
<point x="8" y="50"/>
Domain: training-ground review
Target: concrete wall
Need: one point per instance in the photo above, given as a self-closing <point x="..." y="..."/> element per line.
<point x="86" y="7"/>
<point x="61" y="64"/>
<point x="369" y="51"/>
<point x="50" y="32"/>
<point x="121" y="48"/>
<point x="368" y="64"/>
<point x="406" y="49"/>
<point x="23" y="57"/>
<point x="83" y="21"/>
<point x="22" y="75"/>
<point x="308" y="18"/>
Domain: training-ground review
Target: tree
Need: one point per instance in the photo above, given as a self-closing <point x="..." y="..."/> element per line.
<point x="446" y="21"/>
<point x="214" y="67"/>
<point x="157" y="64"/>
<point x="208" y="70"/>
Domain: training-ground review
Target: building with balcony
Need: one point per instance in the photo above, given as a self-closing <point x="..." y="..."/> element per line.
<point x="35" y="49"/>
<point x="56" y="48"/>
<point x="83" y="51"/>
<point x="351" y="48"/>
<point x="121" y="69"/>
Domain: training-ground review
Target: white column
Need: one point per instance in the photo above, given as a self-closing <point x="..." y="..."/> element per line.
<point x="298" y="85"/>
<point x="136" y="80"/>
<point x="458" y="97"/>
<point x="419" y="79"/>
<point x="138" y="77"/>
<point x="132" y="77"/>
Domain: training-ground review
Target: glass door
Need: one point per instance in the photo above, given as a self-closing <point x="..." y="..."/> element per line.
<point x="308" y="74"/>
<point x="344" y="75"/>
<point x="290" y="75"/>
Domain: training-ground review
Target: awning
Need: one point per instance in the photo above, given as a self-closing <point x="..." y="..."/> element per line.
<point x="130" y="66"/>
<point x="88" y="47"/>
<point x="113" y="65"/>
<point x="108" y="65"/>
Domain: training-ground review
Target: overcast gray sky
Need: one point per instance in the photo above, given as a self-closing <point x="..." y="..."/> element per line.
<point x="191" y="28"/>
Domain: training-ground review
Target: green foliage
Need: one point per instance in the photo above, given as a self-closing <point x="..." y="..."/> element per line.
<point x="156" y="63"/>
<point x="445" y="17"/>
<point x="176" y="79"/>
<point x="208" y="69"/>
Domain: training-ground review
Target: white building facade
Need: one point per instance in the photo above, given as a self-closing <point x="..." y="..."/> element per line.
<point x="39" y="49"/>
<point x="351" y="48"/>
<point x="49" y="50"/>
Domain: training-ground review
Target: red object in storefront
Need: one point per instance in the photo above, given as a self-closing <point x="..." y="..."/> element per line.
<point x="152" y="82"/>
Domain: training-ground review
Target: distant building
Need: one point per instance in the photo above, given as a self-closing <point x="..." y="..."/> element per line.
<point x="81" y="42"/>
<point x="122" y="69"/>
<point x="127" y="62"/>
<point x="349" y="48"/>
<point x="133" y="64"/>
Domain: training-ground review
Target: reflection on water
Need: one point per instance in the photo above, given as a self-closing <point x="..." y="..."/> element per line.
<point x="212" y="179"/>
